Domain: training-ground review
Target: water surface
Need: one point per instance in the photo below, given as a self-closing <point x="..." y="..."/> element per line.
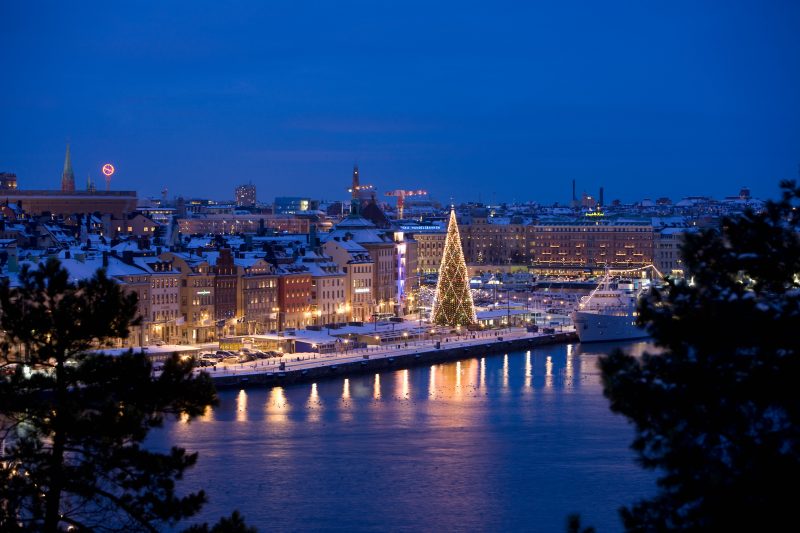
<point x="503" y="442"/>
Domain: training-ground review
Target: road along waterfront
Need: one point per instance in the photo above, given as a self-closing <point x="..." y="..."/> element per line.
<point x="497" y="442"/>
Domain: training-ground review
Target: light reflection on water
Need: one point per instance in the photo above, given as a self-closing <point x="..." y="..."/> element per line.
<point x="472" y="444"/>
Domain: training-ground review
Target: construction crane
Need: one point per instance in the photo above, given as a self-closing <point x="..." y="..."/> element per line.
<point x="401" y="198"/>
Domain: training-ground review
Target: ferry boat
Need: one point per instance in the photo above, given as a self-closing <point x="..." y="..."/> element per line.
<point x="609" y="312"/>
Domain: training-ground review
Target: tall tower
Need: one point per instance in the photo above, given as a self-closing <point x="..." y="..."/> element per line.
<point x="453" y="305"/>
<point x="354" y="188"/>
<point x="355" y="201"/>
<point x="67" y="176"/>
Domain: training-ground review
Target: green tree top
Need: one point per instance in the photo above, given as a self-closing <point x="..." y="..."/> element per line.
<point x="716" y="412"/>
<point x="73" y="422"/>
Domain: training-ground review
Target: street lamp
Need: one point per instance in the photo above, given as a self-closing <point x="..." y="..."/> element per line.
<point x="508" y="309"/>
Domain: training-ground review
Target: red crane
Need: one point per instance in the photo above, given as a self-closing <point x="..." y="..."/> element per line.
<point x="401" y="198"/>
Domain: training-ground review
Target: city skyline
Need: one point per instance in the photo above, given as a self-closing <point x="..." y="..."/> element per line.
<point x="643" y="101"/>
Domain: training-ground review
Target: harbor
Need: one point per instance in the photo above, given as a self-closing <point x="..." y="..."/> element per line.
<point x="483" y="443"/>
<point x="304" y="367"/>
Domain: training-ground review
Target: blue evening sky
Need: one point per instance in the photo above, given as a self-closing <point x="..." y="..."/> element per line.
<point x="474" y="100"/>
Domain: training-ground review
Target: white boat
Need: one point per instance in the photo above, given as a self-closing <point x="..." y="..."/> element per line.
<point x="609" y="313"/>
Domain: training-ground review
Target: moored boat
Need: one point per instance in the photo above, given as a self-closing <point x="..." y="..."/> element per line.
<point x="609" y="312"/>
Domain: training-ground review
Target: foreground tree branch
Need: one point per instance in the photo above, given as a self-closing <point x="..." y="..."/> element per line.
<point x="717" y="412"/>
<point x="75" y="420"/>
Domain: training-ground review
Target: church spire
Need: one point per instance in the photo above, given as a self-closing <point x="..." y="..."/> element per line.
<point x="67" y="177"/>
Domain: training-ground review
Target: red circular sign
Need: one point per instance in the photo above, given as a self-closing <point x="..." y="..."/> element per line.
<point x="108" y="169"/>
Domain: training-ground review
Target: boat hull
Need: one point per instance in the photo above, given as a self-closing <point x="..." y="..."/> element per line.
<point x="594" y="327"/>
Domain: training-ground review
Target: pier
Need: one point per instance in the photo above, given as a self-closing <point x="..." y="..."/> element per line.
<point x="311" y="367"/>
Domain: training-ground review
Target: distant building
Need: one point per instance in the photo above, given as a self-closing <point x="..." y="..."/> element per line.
<point x="667" y="250"/>
<point x="430" y="250"/>
<point x="570" y="247"/>
<point x="291" y="205"/>
<point x="246" y="195"/>
<point x="251" y="223"/>
<point x="8" y="181"/>
<point x="67" y="201"/>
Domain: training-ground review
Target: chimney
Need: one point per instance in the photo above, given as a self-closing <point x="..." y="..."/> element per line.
<point x="105" y="259"/>
<point x="600" y="198"/>
<point x="574" y="198"/>
<point x="127" y="257"/>
<point x="67" y="255"/>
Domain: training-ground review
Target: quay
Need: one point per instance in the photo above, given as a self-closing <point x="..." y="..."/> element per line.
<point x="311" y="367"/>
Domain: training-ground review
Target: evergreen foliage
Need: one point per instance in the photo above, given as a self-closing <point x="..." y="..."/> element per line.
<point x="453" y="305"/>
<point x="234" y="524"/>
<point x="716" y="411"/>
<point x="73" y="422"/>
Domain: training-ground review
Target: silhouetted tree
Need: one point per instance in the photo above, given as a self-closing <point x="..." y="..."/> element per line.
<point x="716" y="412"/>
<point x="234" y="524"/>
<point x="574" y="525"/>
<point x="73" y="421"/>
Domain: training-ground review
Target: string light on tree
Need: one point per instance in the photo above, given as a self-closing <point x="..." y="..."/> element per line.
<point x="453" y="305"/>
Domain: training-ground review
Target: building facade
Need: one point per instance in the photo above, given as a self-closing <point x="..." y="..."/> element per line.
<point x="246" y="195"/>
<point x="226" y="224"/>
<point x="580" y="247"/>
<point x="294" y="297"/>
<point x="259" y="297"/>
<point x="357" y="265"/>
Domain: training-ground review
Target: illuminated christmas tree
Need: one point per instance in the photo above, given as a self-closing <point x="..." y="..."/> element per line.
<point x="453" y="304"/>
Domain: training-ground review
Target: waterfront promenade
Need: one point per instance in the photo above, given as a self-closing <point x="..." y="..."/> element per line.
<point x="310" y="366"/>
